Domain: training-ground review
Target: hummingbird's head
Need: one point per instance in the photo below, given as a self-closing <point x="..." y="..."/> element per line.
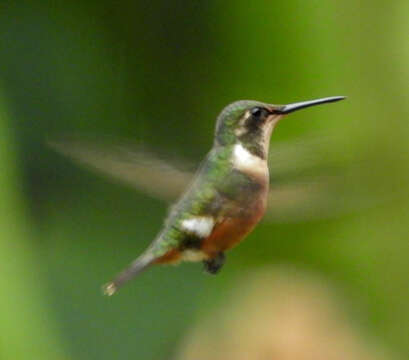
<point x="247" y="122"/>
<point x="250" y="123"/>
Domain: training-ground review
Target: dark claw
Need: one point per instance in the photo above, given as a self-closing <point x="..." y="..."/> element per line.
<point x="213" y="266"/>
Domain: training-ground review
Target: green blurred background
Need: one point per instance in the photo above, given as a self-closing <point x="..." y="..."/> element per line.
<point x="158" y="72"/>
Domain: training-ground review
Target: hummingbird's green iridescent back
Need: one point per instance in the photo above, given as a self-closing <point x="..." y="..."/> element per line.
<point x="203" y="198"/>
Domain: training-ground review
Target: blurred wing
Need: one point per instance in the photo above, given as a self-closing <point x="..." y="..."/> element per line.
<point x="305" y="178"/>
<point x="136" y="168"/>
<point x="322" y="197"/>
<point x="310" y="179"/>
<point x="313" y="178"/>
<point x="306" y="156"/>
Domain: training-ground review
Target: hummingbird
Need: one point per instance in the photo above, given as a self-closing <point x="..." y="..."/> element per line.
<point x="226" y="198"/>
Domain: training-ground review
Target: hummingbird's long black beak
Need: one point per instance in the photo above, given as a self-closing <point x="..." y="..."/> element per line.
<point x="286" y="109"/>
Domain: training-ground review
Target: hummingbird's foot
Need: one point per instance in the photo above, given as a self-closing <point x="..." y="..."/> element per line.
<point x="213" y="266"/>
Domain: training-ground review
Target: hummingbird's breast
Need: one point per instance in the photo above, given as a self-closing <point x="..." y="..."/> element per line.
<point x="225" y="202"/>
<point x="244" y="192"/>
<point x="244" y="214"/>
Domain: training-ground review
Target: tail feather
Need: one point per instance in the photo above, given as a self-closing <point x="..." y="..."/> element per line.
<point x="135" y="268"/>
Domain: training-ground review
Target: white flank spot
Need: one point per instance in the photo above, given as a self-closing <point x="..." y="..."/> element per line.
<point x="244" y="159"/>
<point x="201" y="226"/>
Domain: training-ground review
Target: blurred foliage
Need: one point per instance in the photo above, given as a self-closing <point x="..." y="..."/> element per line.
<point x="159" y="72"/>
<point x="278" y="313"/>
<point x="25" y="327"/>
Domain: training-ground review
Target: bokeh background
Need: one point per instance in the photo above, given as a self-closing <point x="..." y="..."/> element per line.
<point x="158" y="72"/>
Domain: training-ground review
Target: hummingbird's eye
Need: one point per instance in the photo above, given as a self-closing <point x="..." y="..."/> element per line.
<point x="256" y="118"/>
<point x="258" y="113"/>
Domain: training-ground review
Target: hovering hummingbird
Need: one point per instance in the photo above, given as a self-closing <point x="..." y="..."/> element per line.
<point x="227" y="196"/>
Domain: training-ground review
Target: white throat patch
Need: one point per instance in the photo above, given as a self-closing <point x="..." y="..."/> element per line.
<point x="244" y="160"/>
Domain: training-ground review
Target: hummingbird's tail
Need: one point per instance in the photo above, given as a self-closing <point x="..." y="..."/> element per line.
<point x="136" y="267"/>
